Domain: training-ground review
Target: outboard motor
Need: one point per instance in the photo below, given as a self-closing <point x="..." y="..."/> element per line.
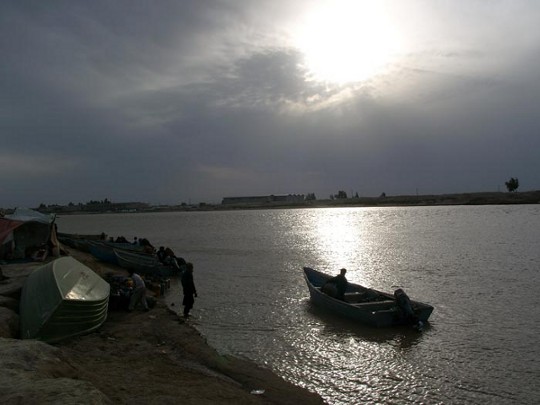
<point x="404" y="304"/>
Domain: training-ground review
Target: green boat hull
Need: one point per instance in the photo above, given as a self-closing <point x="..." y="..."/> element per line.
<point x="62" y="299"/>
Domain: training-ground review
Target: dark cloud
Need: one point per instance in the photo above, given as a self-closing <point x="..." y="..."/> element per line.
<point x="175" y="101"/>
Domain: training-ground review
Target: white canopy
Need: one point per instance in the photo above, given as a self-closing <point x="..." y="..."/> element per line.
<point x="26" y="214"/>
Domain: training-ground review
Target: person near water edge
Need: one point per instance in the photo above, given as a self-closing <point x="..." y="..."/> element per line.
<point x="189" y="289"/>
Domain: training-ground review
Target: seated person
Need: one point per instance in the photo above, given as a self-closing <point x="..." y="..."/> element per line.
<point x="336" y="286"/>
<point x="161" y="254"/>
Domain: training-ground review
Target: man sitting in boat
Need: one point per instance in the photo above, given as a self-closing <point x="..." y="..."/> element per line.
<point x="336" y="286"/>
<point x="161" y="254"/>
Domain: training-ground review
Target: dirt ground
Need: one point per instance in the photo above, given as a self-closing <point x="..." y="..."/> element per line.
<point x="156" y="357"/>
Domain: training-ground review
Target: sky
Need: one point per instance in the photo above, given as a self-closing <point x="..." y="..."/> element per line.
<point x="189" y="101"/>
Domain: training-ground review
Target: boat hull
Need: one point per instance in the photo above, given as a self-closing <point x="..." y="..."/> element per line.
<point x="144" y="264"/>
<point x="105" y="251"/>
<point x="364" y="305"/>
<point x="62" y="299"/>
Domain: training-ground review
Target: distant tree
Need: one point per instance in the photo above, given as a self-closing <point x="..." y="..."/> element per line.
<point x="512" y="184"/>
<point x="341" y="195"/>
<point x="310" y="197"/>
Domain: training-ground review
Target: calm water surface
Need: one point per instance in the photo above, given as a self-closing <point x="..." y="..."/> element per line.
<point x="478" y="266"/>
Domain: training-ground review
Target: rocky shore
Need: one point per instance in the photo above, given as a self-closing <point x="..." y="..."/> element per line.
<point x="137" y="358"/>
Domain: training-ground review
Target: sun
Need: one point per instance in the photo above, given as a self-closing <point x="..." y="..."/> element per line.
<point x="345" y="41"/>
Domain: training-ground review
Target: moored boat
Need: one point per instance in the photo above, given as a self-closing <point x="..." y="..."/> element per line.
<point x="101" y="236"/>
<point x="76" y="243"/>
<point x="143" y="264"/>
<point x="62" y="299"/>
<point x="365" y="305"/>
<point x="105" y="251"/>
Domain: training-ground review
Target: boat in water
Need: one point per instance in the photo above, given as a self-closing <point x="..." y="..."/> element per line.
<point x="105" y="251"/>
<point x="143" y="264"/>
<point x="366" y="305"/>
<point x="62" y="299"/>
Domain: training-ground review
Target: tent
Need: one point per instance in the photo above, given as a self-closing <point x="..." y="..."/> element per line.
<point x="27" y="233"/>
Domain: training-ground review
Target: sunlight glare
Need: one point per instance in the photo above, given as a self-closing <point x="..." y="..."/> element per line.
<point x="339" y="237"/>
<point x="347" y="40"/>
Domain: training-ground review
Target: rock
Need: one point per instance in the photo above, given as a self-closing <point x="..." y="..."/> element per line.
<point x="9" y="323"/>
<point x="31" y="372"/>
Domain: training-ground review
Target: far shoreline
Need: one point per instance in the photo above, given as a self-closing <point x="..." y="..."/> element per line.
<point x="426" y="200"/>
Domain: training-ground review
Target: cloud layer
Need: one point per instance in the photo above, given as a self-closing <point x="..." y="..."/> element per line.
<point x="173" y="102"/>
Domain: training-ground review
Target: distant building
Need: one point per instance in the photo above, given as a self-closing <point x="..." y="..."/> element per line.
<point x="263" y="199"/>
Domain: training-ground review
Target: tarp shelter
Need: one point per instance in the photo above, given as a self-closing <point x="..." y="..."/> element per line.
<point x="26" y="232"/>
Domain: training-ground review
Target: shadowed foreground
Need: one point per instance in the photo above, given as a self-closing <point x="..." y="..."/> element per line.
<point x="137" y="358"/>
<point x="153" y="357"/>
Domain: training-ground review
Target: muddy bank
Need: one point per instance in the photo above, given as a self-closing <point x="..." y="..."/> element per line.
<point x="138" y="357"/>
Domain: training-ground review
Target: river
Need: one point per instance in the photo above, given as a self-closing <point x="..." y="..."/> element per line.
<point x="477" y="265"/>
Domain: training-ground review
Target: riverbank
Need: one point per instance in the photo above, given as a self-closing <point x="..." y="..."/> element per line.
<point x="138" y="358"/>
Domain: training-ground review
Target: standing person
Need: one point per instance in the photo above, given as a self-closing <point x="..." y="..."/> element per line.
<point x="189" y="289"/>
<point x="336" y="286"/>
<point x="139" y="292"/>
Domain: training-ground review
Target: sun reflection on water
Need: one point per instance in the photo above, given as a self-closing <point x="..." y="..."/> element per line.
<point x="339" y="237"/>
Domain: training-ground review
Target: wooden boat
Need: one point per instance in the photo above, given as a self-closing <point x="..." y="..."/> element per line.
<point x="76" y="243"/>
<point x="143" y="264"/>
<point x="62" y="299"/>
<point x="364" y="305"/>
<point x="104" y="251"/>
<point x="101" y="236"/>
<point x="79" y="241"/>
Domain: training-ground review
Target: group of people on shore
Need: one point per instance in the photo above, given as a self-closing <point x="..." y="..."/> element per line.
<point x="138" y="296"/>
<point x="167" y="257"/>
<point x="122" y="239"/>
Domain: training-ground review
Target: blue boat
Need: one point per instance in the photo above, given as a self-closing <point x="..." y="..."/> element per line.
<point x="106" y="251"/>
<point x="103" y="252"/>
<point x="365" y="305"/>
<point x="146" y="265"/>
